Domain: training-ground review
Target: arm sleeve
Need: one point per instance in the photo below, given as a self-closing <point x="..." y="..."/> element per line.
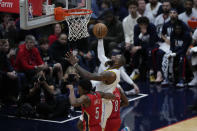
<point x="125" y="76"/>
<point x="101" y="52"/>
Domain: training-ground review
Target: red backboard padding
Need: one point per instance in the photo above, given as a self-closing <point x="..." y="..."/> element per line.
<point x="12" y="6"/>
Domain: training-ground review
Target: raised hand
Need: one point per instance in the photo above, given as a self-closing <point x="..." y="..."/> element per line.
<point x="71" y="58"/>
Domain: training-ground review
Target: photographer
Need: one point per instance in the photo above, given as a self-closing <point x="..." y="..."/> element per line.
<point x="45" y="97"/>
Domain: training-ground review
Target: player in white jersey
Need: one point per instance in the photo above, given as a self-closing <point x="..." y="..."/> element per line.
<point x="103" y="59"/>
<point x="108" y="80"/>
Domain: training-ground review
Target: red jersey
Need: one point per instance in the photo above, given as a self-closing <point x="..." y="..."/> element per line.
<point x="116" y="105"/>
<point x="92" y="114"/>
<point x="114" y="121"/>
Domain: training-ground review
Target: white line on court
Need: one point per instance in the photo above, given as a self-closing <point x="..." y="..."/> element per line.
<point x="139" y="97"/>
<point x="73" y="118"/>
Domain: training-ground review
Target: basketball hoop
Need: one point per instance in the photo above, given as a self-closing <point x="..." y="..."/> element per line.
<point x="77" y="20"/>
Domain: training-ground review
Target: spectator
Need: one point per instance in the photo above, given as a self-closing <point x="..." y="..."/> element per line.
<point x="193" y="52"/>
<point x="58" y="50"/>
<point x="8" y="29"/>
<point x="47" y="58"/>
<point x="158" y="53"/>
<point x="178" y="5"/>
<point x="115" y="33"/>
<point x="8" y="76"/>
<point x="143" y="12"/>
<point x="87" y="60"/>
<point x="189" y="13"/>
<point x="168" y="27"/>
<point x="5" y="23"/>
<point x="28" y="59"/>
<point x="119" y="10"/>
<point x="103" y="6"/>
<point x="57" y="30"/>
<point x="153" y="7"/>
<point x="195" y="6"/>
<point x="129" y="22"/>
<point x="145" y="35"/>
<point x="163" y="18"/>
<point x="179" y="43"/>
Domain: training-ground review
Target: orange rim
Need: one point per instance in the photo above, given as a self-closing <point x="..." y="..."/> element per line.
<point x="71" y="11"/>
<point x="61" y="13"/>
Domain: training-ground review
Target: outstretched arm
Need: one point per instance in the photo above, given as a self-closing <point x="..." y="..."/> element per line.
<point x="76" y="102"/>
<point x="107" y="76"/>
<point x="126" y="78"/>
<point x="101" y="52"/>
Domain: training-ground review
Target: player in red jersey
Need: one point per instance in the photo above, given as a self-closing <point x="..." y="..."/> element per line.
<point x="91" y="104"/>
<point x="114" y="121"/>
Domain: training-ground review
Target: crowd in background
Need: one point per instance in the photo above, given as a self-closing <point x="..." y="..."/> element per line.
<point x="153" y="35"/>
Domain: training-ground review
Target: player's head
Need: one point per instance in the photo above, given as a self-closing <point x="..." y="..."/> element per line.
<point x="4" y="45"/>
<point x="30" y="41"/>
<point x="84" y="86"/>
<point x="117" y="59"/>
<point x="44" y="43"/>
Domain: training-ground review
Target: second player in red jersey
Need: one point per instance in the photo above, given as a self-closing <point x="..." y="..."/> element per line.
<point x="114" y="121"/>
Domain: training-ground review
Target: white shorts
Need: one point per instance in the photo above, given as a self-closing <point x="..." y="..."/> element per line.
<point x="106" y="111"/>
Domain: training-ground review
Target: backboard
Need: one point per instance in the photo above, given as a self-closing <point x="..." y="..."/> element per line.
<point x="40" y="13"/>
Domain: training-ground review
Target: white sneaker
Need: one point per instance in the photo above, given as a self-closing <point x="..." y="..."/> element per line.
<point x="193" y="82"/>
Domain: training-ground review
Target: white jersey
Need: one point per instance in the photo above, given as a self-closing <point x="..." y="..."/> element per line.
<point x="153" y="11"/>
<point x="184" y="17"/>
<point x="100" y="86"/>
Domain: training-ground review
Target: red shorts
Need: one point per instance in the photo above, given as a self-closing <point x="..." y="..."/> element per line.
<point x="113" y="125"/>
<point x="94" y="128"/>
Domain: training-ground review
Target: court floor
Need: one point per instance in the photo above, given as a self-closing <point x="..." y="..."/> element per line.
<point x="155" y="108"/>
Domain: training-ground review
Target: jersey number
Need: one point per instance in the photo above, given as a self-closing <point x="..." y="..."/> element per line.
<point x="116" y="105"/>
<point x="97" y="113"/>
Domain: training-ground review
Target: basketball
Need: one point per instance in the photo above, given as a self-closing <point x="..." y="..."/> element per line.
<point x="100" y="30"/>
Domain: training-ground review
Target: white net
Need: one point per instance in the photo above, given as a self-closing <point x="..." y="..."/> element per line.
<point x="78" y="26"/>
